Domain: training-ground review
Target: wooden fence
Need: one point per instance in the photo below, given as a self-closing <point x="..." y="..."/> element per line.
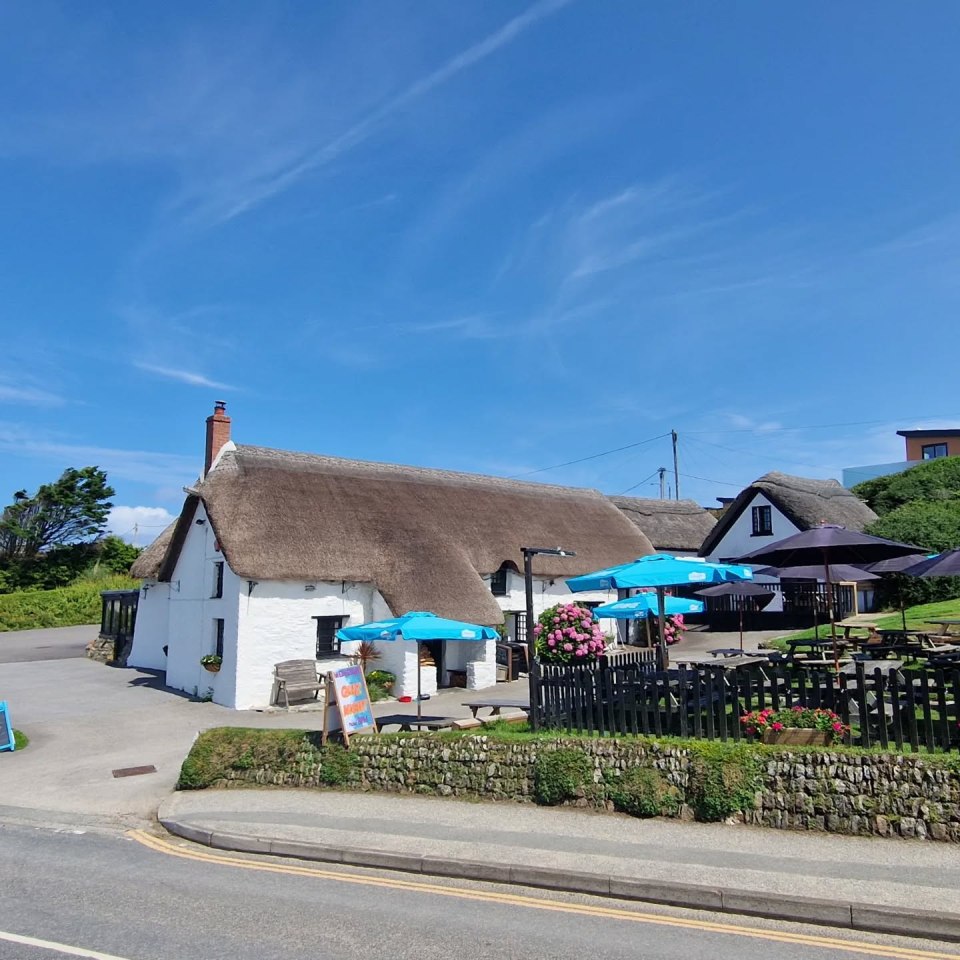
<point x="899" y="710"/>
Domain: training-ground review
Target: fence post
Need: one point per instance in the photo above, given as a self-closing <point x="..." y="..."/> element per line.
<point x="535" y="694"/>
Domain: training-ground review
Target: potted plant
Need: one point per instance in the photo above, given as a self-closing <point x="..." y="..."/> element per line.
<point x="796" y="726"/>
<point x="211" y="662"/>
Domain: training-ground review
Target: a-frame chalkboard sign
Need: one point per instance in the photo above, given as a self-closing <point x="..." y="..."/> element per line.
<point x="347" y="694"/>
<point x="7" y="741"/>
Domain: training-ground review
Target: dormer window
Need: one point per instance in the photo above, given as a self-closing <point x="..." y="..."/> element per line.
<point x="498" y="583"/>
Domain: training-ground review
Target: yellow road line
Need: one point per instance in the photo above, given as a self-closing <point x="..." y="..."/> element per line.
<point x="558" y="906"/>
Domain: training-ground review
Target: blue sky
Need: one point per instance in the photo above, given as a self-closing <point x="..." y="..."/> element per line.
<point x="486" y="236"/>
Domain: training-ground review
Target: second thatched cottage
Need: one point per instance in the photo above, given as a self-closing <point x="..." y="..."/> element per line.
<point x="274" y="551"/>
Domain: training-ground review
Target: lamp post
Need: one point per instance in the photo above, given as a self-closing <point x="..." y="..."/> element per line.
<point x="528" y="554"/>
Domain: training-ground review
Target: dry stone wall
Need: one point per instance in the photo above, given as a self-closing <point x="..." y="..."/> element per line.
<point x="834" y="791"/>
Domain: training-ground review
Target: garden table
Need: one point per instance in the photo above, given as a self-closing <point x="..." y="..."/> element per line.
<point x="497" y="705"/>
<point x="946" y="624"/>
<point x="407" y="722"/>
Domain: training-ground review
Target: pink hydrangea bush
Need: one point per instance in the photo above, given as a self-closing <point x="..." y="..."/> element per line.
<point x="674" y="628"/>
<point x="568" y="633"/>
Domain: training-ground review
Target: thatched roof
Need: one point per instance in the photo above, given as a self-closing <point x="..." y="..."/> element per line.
<point x="804" y="502"/>
<point x="424" y="537"/>
<point x="669" y="524"/>
<point x="147" y="565"/>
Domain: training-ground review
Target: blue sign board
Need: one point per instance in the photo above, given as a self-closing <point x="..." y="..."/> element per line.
<point x="7" y="741"/>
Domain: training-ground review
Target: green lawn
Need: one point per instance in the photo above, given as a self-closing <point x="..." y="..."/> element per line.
<point x="918" y="618"/>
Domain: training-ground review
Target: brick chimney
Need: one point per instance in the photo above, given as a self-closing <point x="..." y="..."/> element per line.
<point x="218" y="433"/>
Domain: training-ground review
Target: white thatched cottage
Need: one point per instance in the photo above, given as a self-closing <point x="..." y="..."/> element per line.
<point x="274" y="551"/>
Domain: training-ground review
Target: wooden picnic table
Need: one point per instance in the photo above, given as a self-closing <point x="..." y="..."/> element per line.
<point x="946" y="625"/>
<point x="407" y="722"/>
<point x="496" y="705"/>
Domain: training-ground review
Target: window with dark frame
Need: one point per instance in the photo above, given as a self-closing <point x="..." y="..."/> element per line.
<point x="218" y="636"/>
<point x="520" y="627"/>
<point x="327" y="641"/>
<point x="762" y="521"/>
<point x="498" y="583"/>
<point x="217" y="580"/>
<point x="931" y="451"/>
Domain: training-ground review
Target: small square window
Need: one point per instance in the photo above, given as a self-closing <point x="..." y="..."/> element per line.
<point x="217" y="580"/>
<point x="762" y="521"/>
<point x="327" y="640"/>
<point x="931" y="451"/>
<point x="498" y="583"/>
<point x="218" y="636"/>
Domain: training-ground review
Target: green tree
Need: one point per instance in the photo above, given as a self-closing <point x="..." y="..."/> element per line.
<point x="116" y="555"/>
<point x="72" y="510"/>
<point x="933" y="525"/>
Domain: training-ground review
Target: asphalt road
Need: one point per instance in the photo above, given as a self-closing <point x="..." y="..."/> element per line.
<point x="60" y="643"/>
<point x="121" y="897"/>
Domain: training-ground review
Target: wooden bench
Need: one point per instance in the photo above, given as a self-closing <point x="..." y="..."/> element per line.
<point x="297" y="678"/>
<point x="497" y="705"/>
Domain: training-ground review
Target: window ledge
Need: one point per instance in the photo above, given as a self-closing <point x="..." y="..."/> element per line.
<point x="770" y="534"/>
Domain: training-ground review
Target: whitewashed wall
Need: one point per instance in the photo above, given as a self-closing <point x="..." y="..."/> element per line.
<point x="548" y="591"/>
<point x="276" y="623"/>
<point x="191" y="613"/>
<point x="152" y="628"/>
<point x="739" y="539"/>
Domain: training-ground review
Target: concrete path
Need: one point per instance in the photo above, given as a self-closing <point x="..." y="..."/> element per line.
<point x="800" y="876"/>
<point x="59" y="643"/>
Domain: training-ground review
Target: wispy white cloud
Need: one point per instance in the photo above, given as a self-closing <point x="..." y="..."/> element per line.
<point x="139" y="466"/>
<point x="17" y="392"/>
<point x="138" y="525"/>
<point x="183" y="376"/>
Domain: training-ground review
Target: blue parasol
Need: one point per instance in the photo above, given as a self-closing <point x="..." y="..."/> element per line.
<point x="418" y="625"/>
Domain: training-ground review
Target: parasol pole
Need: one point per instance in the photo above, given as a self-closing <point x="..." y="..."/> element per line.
<point x="662" y="620"/>
<point x="830" y="611"/>
<point x="740" y="605"/>
<point x="646" y="620"/>
<point x="903" y="610"/>
<point x="419" y="703"/>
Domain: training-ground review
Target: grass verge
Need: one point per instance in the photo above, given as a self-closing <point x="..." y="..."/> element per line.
<point x="918" y="618"/>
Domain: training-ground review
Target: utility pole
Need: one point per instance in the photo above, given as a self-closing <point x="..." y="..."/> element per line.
<point x="663" y="482"/>
<point x="676" y="469"/>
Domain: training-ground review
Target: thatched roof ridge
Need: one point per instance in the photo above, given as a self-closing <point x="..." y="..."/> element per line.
<point x="668" y="524"/>
<point x="147" y="565"/>
<point x="805" y="502"/>
<point x="425" y="537"/>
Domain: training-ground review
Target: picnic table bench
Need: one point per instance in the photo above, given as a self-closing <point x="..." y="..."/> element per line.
<point x="297" y="678"/>
<point x="407" y="722"/>
<point x="496" y="705"/>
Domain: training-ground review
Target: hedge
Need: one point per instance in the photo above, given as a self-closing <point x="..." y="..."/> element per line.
<point x="64" y="607"/>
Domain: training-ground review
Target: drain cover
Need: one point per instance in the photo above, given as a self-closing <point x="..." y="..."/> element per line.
<point x="134" y="771"/>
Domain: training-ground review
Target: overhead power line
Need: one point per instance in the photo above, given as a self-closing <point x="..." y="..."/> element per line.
<point x="593" y="456"/>
<point x="641" y="483"/>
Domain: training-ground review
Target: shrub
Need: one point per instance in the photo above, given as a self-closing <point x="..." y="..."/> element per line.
<point x="20" y="740"/>
<point x="568" y="633"/>
<point x="560" y="775"/>
<point x="379" y="684"/>
<point x="338" y="765"/>
<point x="724" y="780"/>
<point x="644" y="792"/>
<point x="64" y="607"/>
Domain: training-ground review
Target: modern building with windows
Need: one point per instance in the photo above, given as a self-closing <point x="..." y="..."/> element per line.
<point x="919" y="446"/>
<point x="274" y="551"/>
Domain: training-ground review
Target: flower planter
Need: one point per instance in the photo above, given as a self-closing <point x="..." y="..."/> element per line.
<point x="798" y="737"/>
<point x="211" y="667"/>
